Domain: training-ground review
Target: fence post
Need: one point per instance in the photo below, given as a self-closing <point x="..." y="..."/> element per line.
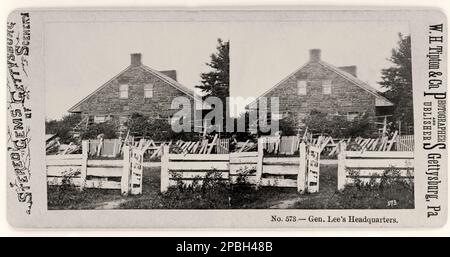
<point x="341" y="176"/>
<point x="165" y="169"/>
<point x="259" y="165"/>
<point x="84" y="154"/>
<point x="99" y="146"/>
<point x="125" y="181"/>
<point x="301" y="177"/>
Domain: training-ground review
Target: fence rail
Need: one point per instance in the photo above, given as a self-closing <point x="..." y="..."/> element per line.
<point x="364" y="166"/>
<point x="239" y="167"/>
<point x="79" y="171"/>
<point x="405" y="143"/>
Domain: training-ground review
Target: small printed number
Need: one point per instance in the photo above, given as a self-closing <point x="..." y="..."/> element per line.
<point x="291" y="218"/>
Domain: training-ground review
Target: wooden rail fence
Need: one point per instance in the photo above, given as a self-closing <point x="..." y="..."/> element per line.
<point x="405" y="143"/>
<point x="79" y="171"/>
<point x="104" y="147"/>
<point x="252" y="167"/>
<point x="367" y="165"/>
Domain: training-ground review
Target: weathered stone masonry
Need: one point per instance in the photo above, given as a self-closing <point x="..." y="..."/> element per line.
<point x="348" y="95"/>
<point x="106" y="100"/>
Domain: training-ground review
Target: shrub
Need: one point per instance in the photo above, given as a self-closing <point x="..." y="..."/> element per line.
<point x="211" y="193"/>
<point x="378" y="192"/>
<point x="156" y="129"/>
<point x="60" y="195"/>
<point x="338" y="126"/>
<point x="63" y="127"/>
<point x="108" y="129"/>
<point x="288" y="127"/>
<point x="242" y="177"/>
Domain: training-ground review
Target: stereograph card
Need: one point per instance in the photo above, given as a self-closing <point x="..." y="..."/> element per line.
<point x="227" y="118"/>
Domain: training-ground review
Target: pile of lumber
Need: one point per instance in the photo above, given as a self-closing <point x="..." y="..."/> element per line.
<point x="383" y="143"/>
<point x="55" y="147"/>
<point x="195" y="147"/>
<point x="69" y="148"/>
<point x="52" y="146"/>
<point x="285" y="145"/>
<point x="245" y="146"/>
<point x="321" y="142"/>
<point x="153" y="148"/>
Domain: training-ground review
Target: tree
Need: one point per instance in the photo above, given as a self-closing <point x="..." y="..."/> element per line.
<point x="288" y="127"/>
<point x="108" y="129"/>
<point x="217" y="81"/>
<point x="397" y="80"/>
<point x="63" y="127"/>
<point x="156" y="129"/>
<point x="338" y="125"/>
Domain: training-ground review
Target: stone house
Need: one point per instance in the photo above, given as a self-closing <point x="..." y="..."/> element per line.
<point x="137" y="89"/>
<point x="320" y="86"/>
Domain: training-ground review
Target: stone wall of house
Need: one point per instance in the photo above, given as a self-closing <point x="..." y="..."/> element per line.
<point x="107" y="101"/>
<point x="345" y="96"/>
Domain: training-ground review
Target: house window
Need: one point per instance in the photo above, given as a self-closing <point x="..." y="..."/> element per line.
<point x="148" y="90"/>
<point x="301" y="87"/>
<point x="326" y="86"/>
<point x="351" y="116"/>
<point x="123" y="94"/>
<point x="123" y="119"/>
<point x="100" y="118"/>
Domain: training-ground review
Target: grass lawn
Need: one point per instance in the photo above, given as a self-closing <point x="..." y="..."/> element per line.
<point x="363" y="196"/>
<point x="62" y="198"/>
<point x="224" y="197"/>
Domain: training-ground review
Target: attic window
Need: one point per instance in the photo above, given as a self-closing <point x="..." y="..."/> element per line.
<point x="301" y="87"/>
<point x="123" y="119"/>
<point x="100" y="118"/>
<point x="123" y="91"/>
<point x="148" y="90"/>
<point x="326" y="86"/>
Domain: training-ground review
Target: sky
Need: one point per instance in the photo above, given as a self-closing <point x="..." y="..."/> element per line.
<point x="80" y="57"/>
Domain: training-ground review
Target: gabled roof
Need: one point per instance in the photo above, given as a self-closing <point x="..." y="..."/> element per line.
<point x="276" y="85"/>
<point x="380" y="99"/>
<point x="158" y="74"/>
<point x="170" y="81"/>
<point x="356" y="81"/>
<point x="179" y="86"/>
<point x="49" y="137"/>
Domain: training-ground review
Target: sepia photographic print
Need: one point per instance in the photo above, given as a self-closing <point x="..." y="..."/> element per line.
<point x="238" y="118"/>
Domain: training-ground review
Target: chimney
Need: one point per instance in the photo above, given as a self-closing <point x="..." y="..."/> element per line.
<point x="314" y="55"/>
<point x="349" y="69"/>
<point x="170" y="73"/>
<point x="136" y="59"/>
